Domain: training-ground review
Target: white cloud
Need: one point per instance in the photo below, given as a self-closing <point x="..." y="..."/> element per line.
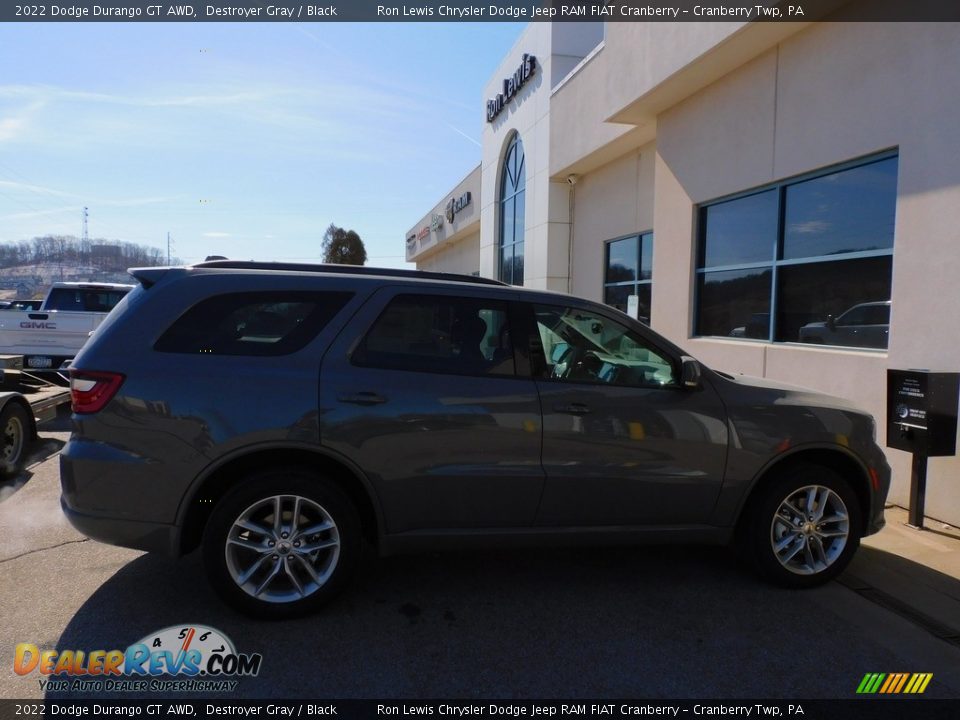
<point x="810" y="227"/>
<point x="13" y="185"/>
<point x="461" y="132"/>
<point x="216" y="234"/>
<point x="15" y="125"/>
<point x="41" y="213"/>
<point x="49" y="93"/>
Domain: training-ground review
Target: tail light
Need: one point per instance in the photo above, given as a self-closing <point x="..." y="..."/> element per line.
<point x="90" y="391"/>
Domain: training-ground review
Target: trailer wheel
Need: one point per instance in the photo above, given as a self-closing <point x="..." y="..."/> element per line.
<point x="15" y="437"/>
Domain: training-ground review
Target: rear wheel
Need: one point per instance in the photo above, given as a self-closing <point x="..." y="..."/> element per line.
<point x="15" y="430"/>
<point x="282" y="543"/>
<point x="803" y="528"/>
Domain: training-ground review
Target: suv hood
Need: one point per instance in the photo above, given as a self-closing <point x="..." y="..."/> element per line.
<point x="781" y="393"/>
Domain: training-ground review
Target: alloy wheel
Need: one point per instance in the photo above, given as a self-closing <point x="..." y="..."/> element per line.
<point x="810" y="530"/>
<point x="282" y="548"/>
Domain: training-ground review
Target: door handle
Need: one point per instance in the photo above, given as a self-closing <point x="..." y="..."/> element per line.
<point x="572" y="409"/>
<point x="362" y="398"/>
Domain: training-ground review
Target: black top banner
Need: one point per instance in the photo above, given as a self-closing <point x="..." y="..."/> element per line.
<point x="107" y="709"/>
<point x="488" y="11"/>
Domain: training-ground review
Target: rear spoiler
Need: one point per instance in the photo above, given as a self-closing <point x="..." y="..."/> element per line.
<point x="148" y="276"/>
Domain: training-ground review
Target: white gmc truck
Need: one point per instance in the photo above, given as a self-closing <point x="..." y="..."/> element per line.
<point x="48" y="337"/>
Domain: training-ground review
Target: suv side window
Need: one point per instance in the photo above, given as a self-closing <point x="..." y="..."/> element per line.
<point x="580" y="346"/>
<point x="252" y="323"/>
<point x="441" y="334"/>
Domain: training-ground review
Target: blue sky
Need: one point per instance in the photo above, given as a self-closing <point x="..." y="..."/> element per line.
<point x="243" y="139"/>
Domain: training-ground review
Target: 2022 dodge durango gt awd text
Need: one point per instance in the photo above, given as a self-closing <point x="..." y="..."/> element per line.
<point x="279" y="416"/>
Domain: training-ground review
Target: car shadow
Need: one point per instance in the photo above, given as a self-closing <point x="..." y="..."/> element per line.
<point x="600" y="622"/>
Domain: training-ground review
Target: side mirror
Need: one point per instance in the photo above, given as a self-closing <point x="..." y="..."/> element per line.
<point x="831" y="323"/>
<point x="689" y="372"/>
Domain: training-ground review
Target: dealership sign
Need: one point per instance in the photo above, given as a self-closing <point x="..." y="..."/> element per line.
<point x="455" y="205"/>
<point x="511" y="86"/>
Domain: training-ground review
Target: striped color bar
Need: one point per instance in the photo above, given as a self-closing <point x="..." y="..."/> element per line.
<point x="894" y="683"/>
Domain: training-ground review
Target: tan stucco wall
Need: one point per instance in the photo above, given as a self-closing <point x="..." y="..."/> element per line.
<point x="830" y="93"/>
<point x="462" y="256"/>
<point x="546" y="220"/>
<point x="613" y="201"/>
<point x="466" y="222"/>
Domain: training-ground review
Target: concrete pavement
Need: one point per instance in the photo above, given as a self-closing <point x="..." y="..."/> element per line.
<point x="914" y="573"/>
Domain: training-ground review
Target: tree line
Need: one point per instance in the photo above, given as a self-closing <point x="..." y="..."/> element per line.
<point x="339" y="246"/>
<point x="106" y="255"/>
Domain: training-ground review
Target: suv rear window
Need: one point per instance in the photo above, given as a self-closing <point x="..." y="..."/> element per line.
<point x="84" y="299"/>
<point x="254" y="323"/>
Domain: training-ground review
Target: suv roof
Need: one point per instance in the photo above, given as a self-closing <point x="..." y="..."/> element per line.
<point x="345" y="270"/>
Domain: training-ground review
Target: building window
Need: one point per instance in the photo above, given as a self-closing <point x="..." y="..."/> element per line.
<point x="807" y="260"/>
<point x="512" y="192"/>
<point x="628" y="271"/>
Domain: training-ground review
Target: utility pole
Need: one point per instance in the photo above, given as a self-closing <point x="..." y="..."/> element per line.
<point x="86" y="236"/>
<point x="168" y="247"/>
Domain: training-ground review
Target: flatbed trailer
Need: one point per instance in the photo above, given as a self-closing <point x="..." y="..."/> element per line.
<point x="25" y="401"/>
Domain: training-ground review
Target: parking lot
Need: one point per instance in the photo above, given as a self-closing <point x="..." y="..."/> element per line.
<point x="555" y="623"/>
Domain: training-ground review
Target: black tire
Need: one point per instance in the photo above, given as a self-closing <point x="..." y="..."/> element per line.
<point x="15" y="436"/>
<point x="767" y="519"/>
<point x="229" y="551"/>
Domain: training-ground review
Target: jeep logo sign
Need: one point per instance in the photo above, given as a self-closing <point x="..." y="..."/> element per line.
<point x="38" y="325"/>
<point x="455" y="205"/>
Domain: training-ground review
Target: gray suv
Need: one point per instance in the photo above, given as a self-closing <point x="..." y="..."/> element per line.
<point x="280" y="416"/>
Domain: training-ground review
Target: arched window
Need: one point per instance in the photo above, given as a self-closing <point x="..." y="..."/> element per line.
<point x="512" y="193"/>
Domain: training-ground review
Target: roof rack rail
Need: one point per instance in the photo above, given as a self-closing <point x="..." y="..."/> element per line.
<point x="346" y="270"/>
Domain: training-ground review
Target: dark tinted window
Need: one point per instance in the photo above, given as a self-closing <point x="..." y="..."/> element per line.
<point x="427" y="333"/>
<point x="628" y="271"/>
<point x="84" y="299"/>
<point x="847" y="211"/>
<point x="512" y="214"/>
<point x="791" y="281"/>
<point x="740" y="231"/>
<point x="735" y="303"/>
<point x="256" y="323"/>
<point x="618" y="296"/>
<point x="622" y="260"/>
<point x="809" y="293"/>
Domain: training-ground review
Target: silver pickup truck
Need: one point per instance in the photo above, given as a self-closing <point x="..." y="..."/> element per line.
<point x="53" y="334"/>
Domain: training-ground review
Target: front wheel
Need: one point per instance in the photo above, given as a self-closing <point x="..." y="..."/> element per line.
<point x="803" y="528"/>
<point x="282" y="543"/>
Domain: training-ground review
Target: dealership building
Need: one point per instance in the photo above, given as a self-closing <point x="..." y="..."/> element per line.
<point x="780" y="199"/>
